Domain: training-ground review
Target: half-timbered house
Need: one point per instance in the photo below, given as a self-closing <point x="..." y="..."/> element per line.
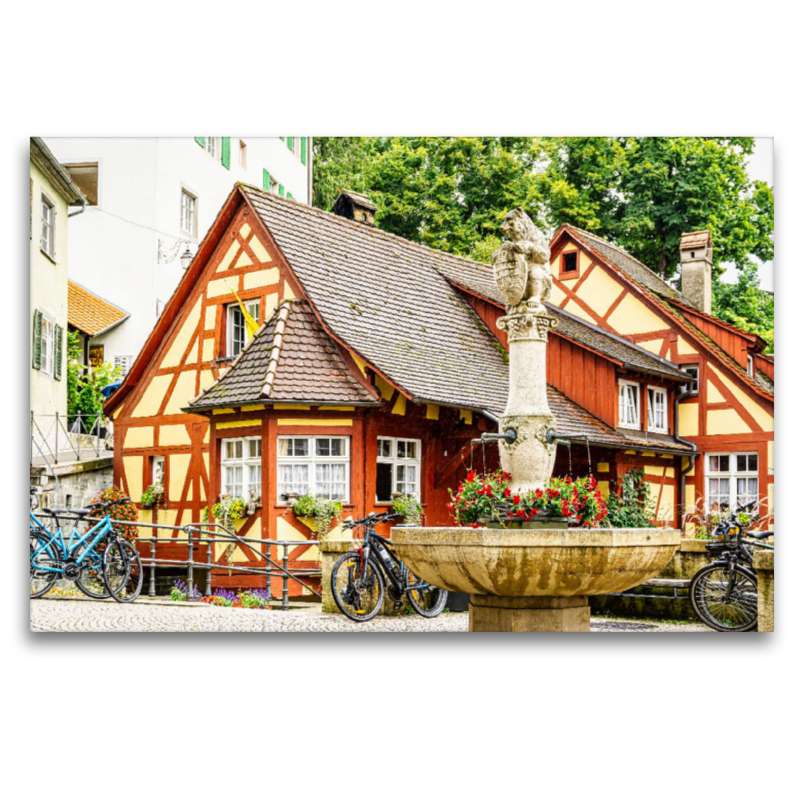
<point x="376" y="363"/>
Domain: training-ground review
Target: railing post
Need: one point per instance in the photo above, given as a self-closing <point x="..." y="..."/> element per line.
<point x="268" y="568"/>
<point x="285" y="598"/>
<point x="189" y="564"/>
<point x="56" y="460"/>
<point x="152" y="590"/>
<point x="209" y="561"/>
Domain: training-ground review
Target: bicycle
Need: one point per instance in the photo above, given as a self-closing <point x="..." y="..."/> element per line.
<point x="361" y="577"/>
<point x="101" y="563"/>
<point x="724" y="594"/>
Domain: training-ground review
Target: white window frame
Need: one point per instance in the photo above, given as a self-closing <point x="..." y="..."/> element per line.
<point x="651" y="425"/>
<point x="312" y="461"/>
<point x="124" y="363"/>
<point x="213" y="147"/>
<point x="189" y="213"/>
<point x="48" y="345"/>
<point x="159" y="473"/>
<point x="253" y="308"/>
<point x="245" y="462"/>
<point x="733" y="475"/>
<point x="623" y="404"/>
<point x="694" y="386"/>
<point x="48" y="237"/>
<point x="397" y="460"/>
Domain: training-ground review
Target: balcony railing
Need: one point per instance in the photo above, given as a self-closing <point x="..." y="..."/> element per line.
<point x="58" y="438"/>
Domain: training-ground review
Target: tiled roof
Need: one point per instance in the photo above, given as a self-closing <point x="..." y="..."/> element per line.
<point x="479" y="278"/>
<point x="385" y="298"/>
<point x="633" y="268"/>
<point x="89" y="313"/>
<point x="289" y="359"/>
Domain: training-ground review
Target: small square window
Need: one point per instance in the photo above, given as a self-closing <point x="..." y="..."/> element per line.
<point x="569" y="261"/>
<point x="694" y="371"/>
<point x="188" y="213"/>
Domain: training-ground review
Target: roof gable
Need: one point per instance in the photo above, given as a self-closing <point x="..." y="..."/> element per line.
<point x="89" y="313"/>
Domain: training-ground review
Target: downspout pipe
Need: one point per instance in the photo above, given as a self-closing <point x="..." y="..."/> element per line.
<point x="692" y="456"/>
<point x="80" y="210"/>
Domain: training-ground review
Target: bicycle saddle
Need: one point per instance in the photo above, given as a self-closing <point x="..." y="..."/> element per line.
<point x="760" y="534"/>
<point x="75" y="512"/>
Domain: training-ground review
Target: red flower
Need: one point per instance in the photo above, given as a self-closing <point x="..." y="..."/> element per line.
<point x="520" y="512"/>
<point x="515" y="499"/>
<point x="471" y="475"/>
<point x="506" y="492"/>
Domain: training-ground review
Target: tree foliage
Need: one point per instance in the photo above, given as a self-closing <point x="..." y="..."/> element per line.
<point x="640" y="193"/>
<point x="84" y="384"/>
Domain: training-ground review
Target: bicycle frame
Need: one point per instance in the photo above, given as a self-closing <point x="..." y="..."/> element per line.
<point x="378" y="542"/>
<point x="100" y="531"/>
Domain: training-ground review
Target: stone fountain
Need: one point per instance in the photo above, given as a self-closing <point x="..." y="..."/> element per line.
<point x="535" y="579"/>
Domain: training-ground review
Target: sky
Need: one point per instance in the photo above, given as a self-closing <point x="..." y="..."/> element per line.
<point x="760" y="167"/>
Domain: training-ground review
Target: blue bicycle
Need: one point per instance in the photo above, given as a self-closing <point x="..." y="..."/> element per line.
<point x="99" y="561"/>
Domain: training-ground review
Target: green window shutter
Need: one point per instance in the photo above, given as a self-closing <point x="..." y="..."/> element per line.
<point x="290" y="142"/>
<point x="266" y="181"/>
<point x="201" y="140"/>
<point x="303" y="153"/>
<point x="281" y="190"/>
<point x="283" y="138"/>
<point x="36" y="348"/>
<point x="226" y="152"/>
<point x="59" y="344"/>
<point x="289" y="195"/>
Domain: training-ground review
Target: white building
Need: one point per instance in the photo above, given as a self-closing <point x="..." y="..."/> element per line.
<point x="52" y="193"/>
<point x="152" y="199"/>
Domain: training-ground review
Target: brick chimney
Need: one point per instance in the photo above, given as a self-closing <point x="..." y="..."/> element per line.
<point x="352" y="205"/>
<point x="696" y="257"/>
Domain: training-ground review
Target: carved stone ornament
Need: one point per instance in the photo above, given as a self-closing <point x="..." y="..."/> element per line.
<point x="527" y="325"/>
<point x="541" y="435"/>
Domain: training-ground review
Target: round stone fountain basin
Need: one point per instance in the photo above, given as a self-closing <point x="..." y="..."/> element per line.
<point x="544" y="562"/>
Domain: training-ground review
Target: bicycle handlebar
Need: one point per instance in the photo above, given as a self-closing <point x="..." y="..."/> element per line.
<point x="371" y="518"/>
<point x="109" y="503"/>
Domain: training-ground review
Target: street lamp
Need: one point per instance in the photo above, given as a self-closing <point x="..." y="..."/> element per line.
<point x="186" y="257"/>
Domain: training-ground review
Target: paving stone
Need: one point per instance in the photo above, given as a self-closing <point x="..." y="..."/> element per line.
<point x="78" y="616"/>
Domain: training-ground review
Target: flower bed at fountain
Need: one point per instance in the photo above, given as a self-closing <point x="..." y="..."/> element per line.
<point x="482" y="498"/>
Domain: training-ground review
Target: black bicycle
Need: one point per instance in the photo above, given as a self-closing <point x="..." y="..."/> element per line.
<point x="361" y="578"/>
<point x="724" y="594"/>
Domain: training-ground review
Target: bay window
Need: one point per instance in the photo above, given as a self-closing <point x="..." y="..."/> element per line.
<point x="241" y="466"/>
<point x="656" y="409"/>
<point x="732" y="480"/>
<point x="316" y="465"/>
<point x="628" y="405"/>
<point x="399" y="468"/>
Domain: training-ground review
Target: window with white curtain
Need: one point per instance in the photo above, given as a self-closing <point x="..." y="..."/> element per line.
<point x="241" y="466"/>
<point x="316" y="465"/>
<point x="731" y="480"/>
<point x="628" y="405"/>
<point x="656" y="409"/>
<point x="399" y="468"/>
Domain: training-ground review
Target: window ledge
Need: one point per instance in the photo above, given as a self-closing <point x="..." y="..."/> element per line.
<point x="49" y="256"/>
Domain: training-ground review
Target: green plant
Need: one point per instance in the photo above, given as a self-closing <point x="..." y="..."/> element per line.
<point x="323" y="510"/>
<point x="228" y="510"/>
<point x="630" y="506"/>
<point x="489" y="497"/>
<point x="84" y="398"/>
<point x="122" y="511"/>
<point x="409" y="507"/>
<point x="153" y="495"/>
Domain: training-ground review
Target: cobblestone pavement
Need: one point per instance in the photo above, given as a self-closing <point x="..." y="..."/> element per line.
<point x="83" y="616"/>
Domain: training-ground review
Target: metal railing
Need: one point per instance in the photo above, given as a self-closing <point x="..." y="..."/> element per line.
<point x="208" y="535"/>
<point x="61" y="437"/>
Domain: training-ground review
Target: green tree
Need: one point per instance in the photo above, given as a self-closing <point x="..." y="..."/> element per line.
<point x="84" y="384"/>
<point x="747" y="306"/>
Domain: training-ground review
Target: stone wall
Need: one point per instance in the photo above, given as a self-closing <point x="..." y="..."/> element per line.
<point x="764" y="563"/>
<point x="75" y="483"/>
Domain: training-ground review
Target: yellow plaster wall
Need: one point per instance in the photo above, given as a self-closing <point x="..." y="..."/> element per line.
<point x="152" y="397"/>
<point x="659" y="471"/>
<point x="244" y="260"/>
<point x="290" y="407"/>
<point x="633" y="316"/>
<point x="575" y="309"/>
<point x="771" y="457"/>
<point x="723" y="421"/>
<point x="399" y="405"/>
<point x="602" y="288"/>
<point x="762" y="417"/>
<point x="605" y="488"/>
<point x="684" y="348"/>
<point x="173" y="436"/>
<point x="466" y="415"/>
<point x="166" y="518"/>
<point x="133" y="466"/>
<point x="206" y="379"/>
<point x="348" y="423"/>
<point x="556" y="295"/>
<point x="175" y="352"/>
<point x="208" y="349"/>
<point x="270" y="302"/>
<point x="182" y="393"/>
<point x="227" y="259"/>
<point x="178" y="467"/>
<point x="138" y="437"/>
<point x="259" y="251"/>
<point x="653" y="346"/>
<point x="771" y="498"/>
<point x="241" y="423"/>
<point x="713" y="395"/>
<point x="689" y="419"/>
<point x="431" y="411"/>
<point x="603" y="466"/>
<point x="264" y="277"/>
<point x="288" y="294"/>
<point x="244" y="231"/>
<point x="384" y="388"/>
<point x="211" y="318"/>
<point x="217" y="288"/>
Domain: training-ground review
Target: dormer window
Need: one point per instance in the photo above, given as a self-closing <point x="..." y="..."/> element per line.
<point x="656" y="409"/>
<point x="569" y="263"/>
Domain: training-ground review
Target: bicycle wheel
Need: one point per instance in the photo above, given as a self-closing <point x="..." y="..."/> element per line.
<point x="737" y="611"/>
<point x="45" y="564"/>
<point x="359" y="597"/>
<point x="427" y="600"/>
<point x="122" y="571"/>
<point x="91" y="582"/>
